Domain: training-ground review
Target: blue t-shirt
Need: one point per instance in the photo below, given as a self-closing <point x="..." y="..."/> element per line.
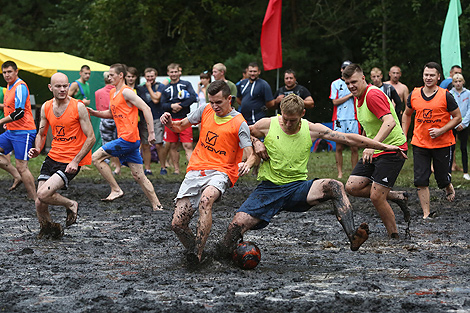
<point x="254" y="96"/>
<point x="170" y="95"/>
<point x="445" y="83"/>
<point x="21" y="94"/>
<point x="156" y="108"/>
<point x="346" y="110"/>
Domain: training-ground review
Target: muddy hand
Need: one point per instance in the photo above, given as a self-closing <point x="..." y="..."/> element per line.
<point x="260" y="150"/>
<point x="243" y="168"/>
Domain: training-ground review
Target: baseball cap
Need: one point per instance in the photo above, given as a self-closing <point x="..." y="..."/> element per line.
<point x="346" y="63"/>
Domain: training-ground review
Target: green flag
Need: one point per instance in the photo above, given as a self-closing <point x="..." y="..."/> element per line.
<point x="450" y="40"/>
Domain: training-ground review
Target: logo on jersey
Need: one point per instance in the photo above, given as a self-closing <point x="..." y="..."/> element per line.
<point x="211" y="138"/>
<point x="210" y="141"/>
<point x="427" y="117"/>
<point x="60" y="134"/>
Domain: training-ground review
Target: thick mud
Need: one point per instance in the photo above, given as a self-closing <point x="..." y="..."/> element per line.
<point x="123" y="257"/>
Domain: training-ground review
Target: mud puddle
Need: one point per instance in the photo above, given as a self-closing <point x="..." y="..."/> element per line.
<point x="123" y="257"/>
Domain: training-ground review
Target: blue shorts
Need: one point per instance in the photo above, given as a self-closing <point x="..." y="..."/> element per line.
<point x="20" y="142"/>
<point x="346" y="126"/>
<point x="268" y="199"/>
<point x="127" y="152"/>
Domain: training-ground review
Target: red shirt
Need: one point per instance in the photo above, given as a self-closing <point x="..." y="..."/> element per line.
<point x="102" y="98"/>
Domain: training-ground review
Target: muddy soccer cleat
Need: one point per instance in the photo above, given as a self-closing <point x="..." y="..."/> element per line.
<point x="360" y="236"/>
<point x="403" y="204"/>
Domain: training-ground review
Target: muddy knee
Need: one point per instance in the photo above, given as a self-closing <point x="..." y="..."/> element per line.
<point x="332" y="189"/>
<point x="178" y="227"/>
<point x="42" y="196"/>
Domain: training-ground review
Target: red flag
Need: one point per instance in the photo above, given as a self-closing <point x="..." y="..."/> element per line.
<point x="271" y="46"/>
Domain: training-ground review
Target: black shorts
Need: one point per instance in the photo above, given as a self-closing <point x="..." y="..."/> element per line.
<point x="383" y="170"/>
<point x="50" y="167"/>
<point x="442" y="161"/>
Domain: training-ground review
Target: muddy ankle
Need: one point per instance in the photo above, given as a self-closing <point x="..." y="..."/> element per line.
<point x="394" y="236"/>
<point x="360" y="236"/>
<point x="50" y="230"/>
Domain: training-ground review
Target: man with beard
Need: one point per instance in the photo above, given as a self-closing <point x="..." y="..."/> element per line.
<point x="291" y="86"/>
<point x="254" y="95"/>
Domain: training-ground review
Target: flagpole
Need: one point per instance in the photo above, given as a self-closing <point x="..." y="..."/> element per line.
<point x="277" y="80"/>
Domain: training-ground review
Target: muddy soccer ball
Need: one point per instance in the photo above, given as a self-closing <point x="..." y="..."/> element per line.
<point x="247" y="255"/>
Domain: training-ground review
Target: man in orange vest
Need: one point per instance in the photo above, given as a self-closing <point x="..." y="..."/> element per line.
<point x="20" y="126"/>
<point x="124" y="109"/>
<point x="437" y="114"/>
<point x="72" y="140"/>
<point x="214" y="166"/>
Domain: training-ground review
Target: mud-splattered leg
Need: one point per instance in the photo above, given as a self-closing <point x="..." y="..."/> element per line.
<point x="361" y="187"/>
<point x="241" y="223"/>
<point x="180" y="223"/>
<point x="47" y="195"/>
<point x="204" y="225"/>
<point x="98" y="158"/>
<point x="138" y="174"/>
<point x="6" y="165"/>
<point x="330" y="189"/>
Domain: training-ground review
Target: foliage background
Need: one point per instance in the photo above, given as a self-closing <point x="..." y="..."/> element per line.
<point x="317" y="35"/>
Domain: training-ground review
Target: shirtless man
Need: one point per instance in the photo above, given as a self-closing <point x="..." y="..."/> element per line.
<point x="402" y="89"/>
<point x="72" y="140"/>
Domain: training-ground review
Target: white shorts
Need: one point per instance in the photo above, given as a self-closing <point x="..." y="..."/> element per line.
<point x="195" y="182"/>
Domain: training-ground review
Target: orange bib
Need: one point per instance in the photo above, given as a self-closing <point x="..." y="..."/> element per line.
<point x="67" y="134"/>
<point x="126" y="117"/>
<point x="27" y="121"/>
<point x="218" y="147"/>
<point x="430" y="114"/>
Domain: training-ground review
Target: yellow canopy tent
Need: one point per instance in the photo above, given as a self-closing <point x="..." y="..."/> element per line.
<point x="45" y="64"/>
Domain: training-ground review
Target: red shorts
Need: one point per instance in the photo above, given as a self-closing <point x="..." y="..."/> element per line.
<point x="185" y="136"/>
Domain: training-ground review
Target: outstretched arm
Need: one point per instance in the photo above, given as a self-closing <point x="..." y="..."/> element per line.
<point x="41" y="135"/>
<point x="355" y="140"/>
<point x="175" y="126"/>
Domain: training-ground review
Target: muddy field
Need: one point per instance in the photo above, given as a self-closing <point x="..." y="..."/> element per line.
<point x="122" y="257"/>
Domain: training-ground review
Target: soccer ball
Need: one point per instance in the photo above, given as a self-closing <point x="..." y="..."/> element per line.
<point x="247" y="255"/>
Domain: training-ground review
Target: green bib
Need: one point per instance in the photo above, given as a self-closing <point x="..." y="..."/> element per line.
<point x="288" y="154"/>
<point x="372" y="124"/>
